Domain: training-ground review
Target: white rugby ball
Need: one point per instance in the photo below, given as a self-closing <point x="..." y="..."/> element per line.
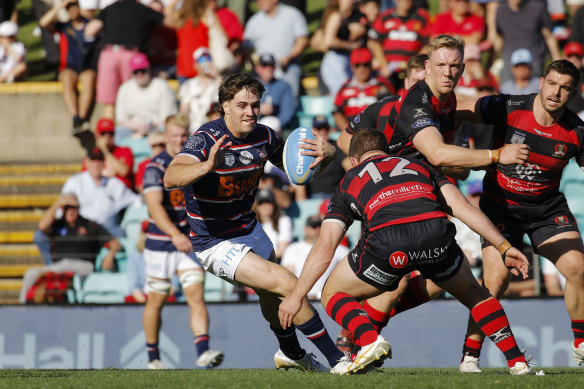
<point x="297" y="165"/>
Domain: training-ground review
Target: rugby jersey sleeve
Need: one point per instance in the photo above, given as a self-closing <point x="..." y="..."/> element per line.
<point x="415" y="115"/>
<point x="153" y="177"/>
<point x="276" y="148"/>
<point x="198" y="145"/>
<point x="339" y="211"/>
<point x="366" y="119"/>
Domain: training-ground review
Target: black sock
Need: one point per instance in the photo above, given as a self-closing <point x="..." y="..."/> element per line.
<point x="289" y="342"/>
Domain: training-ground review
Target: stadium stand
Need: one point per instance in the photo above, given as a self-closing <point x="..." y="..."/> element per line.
<point x="311" y="106"/>
<point x="104" y="288"/>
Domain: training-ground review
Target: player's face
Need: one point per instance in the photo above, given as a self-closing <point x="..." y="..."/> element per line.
<point x="241" y="113"/>
<point x="175" y="136"/>
<point x="415" y="76"/>
<point x="443" y="69"/>
<point x="362" y="71"/>
<point x="555" y="91"/>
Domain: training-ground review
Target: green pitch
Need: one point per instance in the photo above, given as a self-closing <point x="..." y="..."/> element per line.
<point x="264" y="378"/>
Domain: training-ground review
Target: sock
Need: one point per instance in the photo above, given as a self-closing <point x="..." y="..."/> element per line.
<point x="153" y="351"/>
<point x="415" y="295"/>
<point x="77" y="121"/>
<point x="347" y="312"/>
<point x="314" y="330"/>
<point x="472" y="347"/>
<point x="578" y="328"/>
<point x="289" y="342"/>
<point x="492" y="320"/>
<point x="202" y="343"/>
<point x="379" y="319"/>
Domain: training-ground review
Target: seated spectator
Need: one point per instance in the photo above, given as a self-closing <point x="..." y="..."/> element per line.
<point x="459" y="20"/>
<point x="78" y="64"/>
<point x="198" y="93"/>
<point x="157" y="143"/>
<point x="278" y="227"/>
<point x="277" y="100"/>
<point x="75" y="242"/>
<point x="296" y="253"/>
<point x="119" y="161"/>
<point x="143" y="102"/>
<point x="475" y="79"/>
<point x="522" y="82"/>
<point x="12" y="54"/>
<point x="100" y="198"/>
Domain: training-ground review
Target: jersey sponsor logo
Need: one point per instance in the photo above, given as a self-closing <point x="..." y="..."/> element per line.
<point x="195" y="143"/>
<point x="403" y="35"/>
<point x="539" y="132"/>
<point x="377" y="275"/>
<point x="419" y="112"/>
<point x="562" y="220"/>
<point x="510" y="102"/>
<point x="246" y="157"/>
<point x="401" y="192"/>
<point x="230" y="186"/>
<point x="527" y="171"/>
<point x="361" y="100"/>
<point x="262" y="152"/>
<point x="357" y="118"/>
<point x="229" y="160"/>
<point x="423" y="123"/>
<point x="398" y="259"/>
<point x="390" y="24"/>
<point x="560" y="150"/>
<point x="518" y="138"/>
<point x="430" y="254"/>
<point x="500" y="335"/>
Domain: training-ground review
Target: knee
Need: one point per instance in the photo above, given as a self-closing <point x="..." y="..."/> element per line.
<point x="496" y="283"/>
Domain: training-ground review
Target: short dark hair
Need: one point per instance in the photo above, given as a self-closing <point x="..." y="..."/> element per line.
<point x="367" y="140"/>
<point x="563" y="66"/>
<point x="234" y="83"/>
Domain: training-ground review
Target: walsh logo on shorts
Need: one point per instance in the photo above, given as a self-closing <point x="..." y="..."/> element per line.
<point x="398" y="259"/>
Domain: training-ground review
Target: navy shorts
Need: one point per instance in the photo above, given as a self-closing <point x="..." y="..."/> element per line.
<point x="384" y="256"/>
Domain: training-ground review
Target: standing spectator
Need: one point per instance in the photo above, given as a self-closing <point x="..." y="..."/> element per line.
<point x="169" y="251"/>
<point x="277" y="101"/>
<point x="295" y="255"/>
<point x="230" y="23"/>
<point x="100" y="198"/>
<point x="343" y="30"/>
<point x="524" y="24"/>
<point x="162" y="46"/>
<point x="198" y="93"/>
<point x="8" y="11"/>
<point x="78" y="64"/>
<point x="577" y="27"/>
<point x="460" y="21"/>
<point x="75" y="242"/>
<point x="277" y="226"/>
<point x="143" y="102"/>
<point x="522" y="83"/>
<point x="51" y="50"/>
<point x="574" y="53"/>
<point x="475" y="79"/>
<point x="281" y="30"/>
<point x="126" y="26"/>
<point x="12" y="54"/>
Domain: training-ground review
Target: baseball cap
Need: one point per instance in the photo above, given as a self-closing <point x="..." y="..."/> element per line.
<point x="475" y="187"/>
<point x="105" y="125"/>
<point x="265" y="196"/>
<point x="521" y="56"/>
<point x="574" y="48"/>
<point x="139" y="61"/>
<point x="8" y="28"/>
<point x="360" y="55"/>
<point x="320" y="121"/>
<point x="313" y="221"/>
<point x="267" y="59"/>
<point x="202" y="52"/>
<point x="95" y="154"/>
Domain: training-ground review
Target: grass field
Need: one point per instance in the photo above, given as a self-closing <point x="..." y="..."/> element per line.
<point x="264" y="378"/>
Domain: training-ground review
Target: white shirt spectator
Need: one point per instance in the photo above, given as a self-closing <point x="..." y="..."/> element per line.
<point x="197" y="94"/>
<point x="284" y="233"/>
<point x="8" y="61"/>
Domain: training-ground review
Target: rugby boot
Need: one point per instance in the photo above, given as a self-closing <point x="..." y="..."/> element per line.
<point x="307" y="363"/>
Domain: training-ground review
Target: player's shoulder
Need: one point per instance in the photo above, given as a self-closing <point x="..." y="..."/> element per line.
<point x="572" y="121"/>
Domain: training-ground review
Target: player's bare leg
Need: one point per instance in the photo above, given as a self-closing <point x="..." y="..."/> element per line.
<point x="152" y="321"/>
<point x="566" y="251"/>
<point x="487" y="313"/>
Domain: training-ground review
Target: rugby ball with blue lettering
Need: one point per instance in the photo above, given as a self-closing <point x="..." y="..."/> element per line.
<point x="297" y="165"/>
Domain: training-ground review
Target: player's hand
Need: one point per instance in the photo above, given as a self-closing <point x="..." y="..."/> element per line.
<point x="516" y="262"/>
<point x="182" y="243"/>
<point x="512" y="154"/>
<point x="216" y="153"/>
<point x="289" y="307"/>
<point x="319" y="148"/>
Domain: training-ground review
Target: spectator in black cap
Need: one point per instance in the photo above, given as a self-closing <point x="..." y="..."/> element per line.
<point x="277" y="226"/>
<point x="277" y="100"/>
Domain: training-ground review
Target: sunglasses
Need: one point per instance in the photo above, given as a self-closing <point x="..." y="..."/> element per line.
<point x="140" y="71"/>
<point x="366" y="65"/>
<point x="158" y="145"/>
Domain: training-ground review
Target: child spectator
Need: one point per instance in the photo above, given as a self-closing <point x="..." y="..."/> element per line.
<point x="12" y="54"/>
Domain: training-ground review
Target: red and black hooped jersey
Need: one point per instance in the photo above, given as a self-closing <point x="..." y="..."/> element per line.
<point x="387" y="190"/>
<point x="400" y="37"/>
<point x="374" y="116"/>
<point x="550" y="149"/>
<point x="416" y="110"/>
<point x="353" y="97"/>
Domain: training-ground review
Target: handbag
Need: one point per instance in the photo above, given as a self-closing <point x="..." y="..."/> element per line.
<point x="220" y="54"/>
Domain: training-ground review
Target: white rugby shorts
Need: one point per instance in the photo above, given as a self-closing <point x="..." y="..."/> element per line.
<point x="164" y="264"/>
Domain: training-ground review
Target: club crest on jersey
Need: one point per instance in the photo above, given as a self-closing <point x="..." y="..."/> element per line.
<point x="214" y="132"/>
<point x="518" y="138"/>
<point x="419" y="112"/>
<point x="423" y="123"/>
<point x="262" y="152"/>
<point x="245" y="157"/>
<point x="229" y="160"/>
<point x="398" y="259"/>
<point x="82" y="231"/>
<point x="562" y="220"/>
<point x="560" y="150"/>
<point x="195" y="143"/>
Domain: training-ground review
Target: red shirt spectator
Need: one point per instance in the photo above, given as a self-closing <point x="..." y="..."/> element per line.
<point x="459" y="21"/>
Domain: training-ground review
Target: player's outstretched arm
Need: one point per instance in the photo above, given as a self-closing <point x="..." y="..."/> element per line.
<point x="318" y="261"/>
<point x="184" y="170"/>
<point x="479" y="223"/>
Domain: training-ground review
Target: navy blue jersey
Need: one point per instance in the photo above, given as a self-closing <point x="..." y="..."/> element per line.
<point x="173" y="202"/>
<point x="219" y="204"/>
<point x="538" y="179"/>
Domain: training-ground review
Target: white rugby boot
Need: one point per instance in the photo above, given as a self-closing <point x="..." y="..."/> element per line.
<point x="307" y="363"/>
<point x="377" y="351"/>
<point x="520" y="368"/>
<point x="469" y="364"/>
<point x="578" y="353"/>
<point x="209" y="359"/>
<point x="156" y="365"/>
<point x="343" y="365"/>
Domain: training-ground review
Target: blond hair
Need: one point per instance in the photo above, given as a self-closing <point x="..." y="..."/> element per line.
<point x="449" y="42"/>
<point x="179" y="119"/>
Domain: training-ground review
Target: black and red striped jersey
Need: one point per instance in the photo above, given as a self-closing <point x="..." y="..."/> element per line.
<point x="354" y="97"/>
<point x="374" y="116"/>
<point x="387" y="190"/>
<point x="550" y="149"/>
<point x="416" y="110"/>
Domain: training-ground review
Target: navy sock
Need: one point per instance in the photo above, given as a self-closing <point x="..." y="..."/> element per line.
<point x="153" y="351"/>
<point x="202" y="343"/>
<point x="289" y="342"/>
<point x="314" y="330"/>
